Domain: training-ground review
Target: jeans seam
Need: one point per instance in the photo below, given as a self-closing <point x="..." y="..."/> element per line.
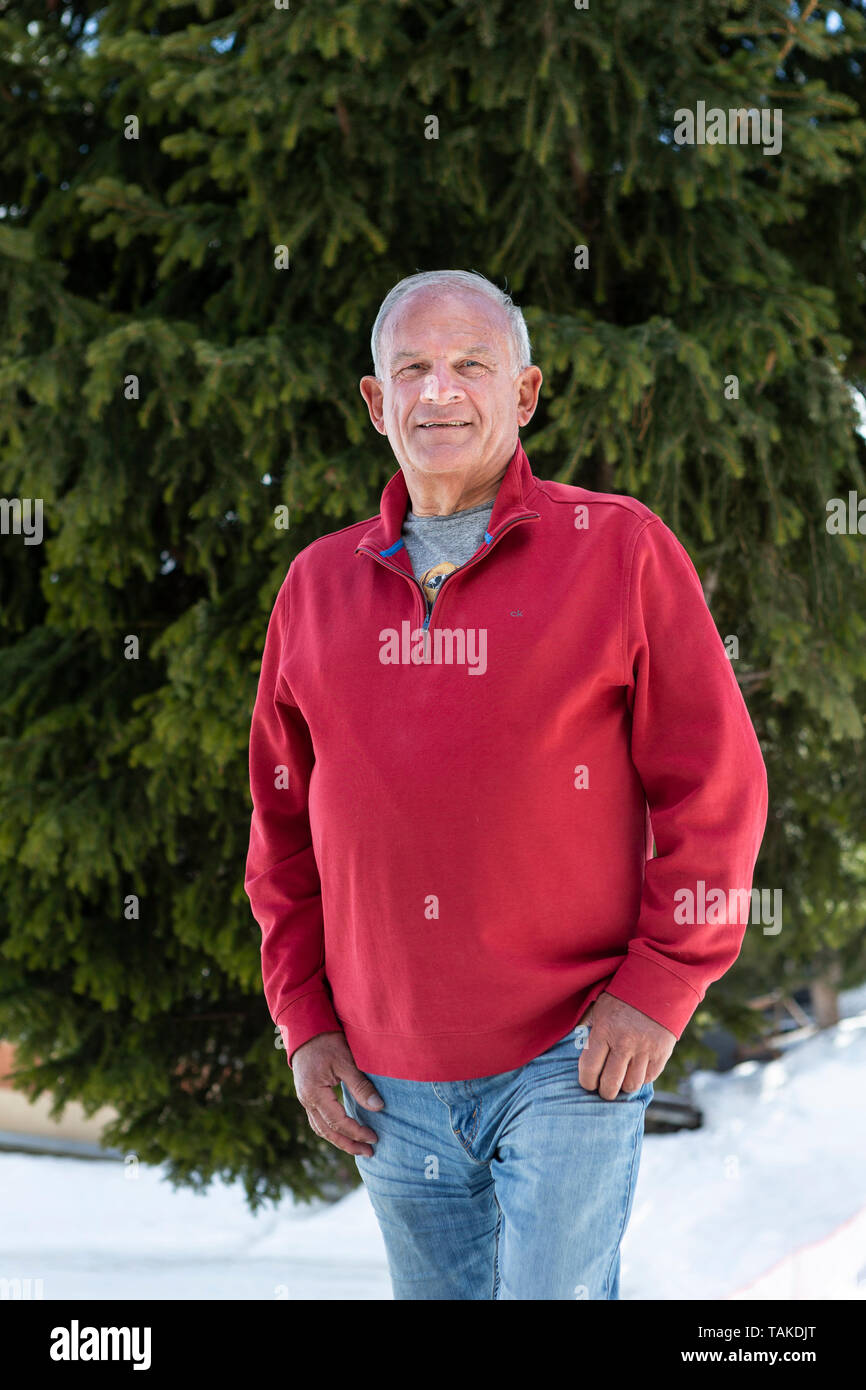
<point x="464" y="1140"/>
<point x="626" y="1203"/>
<point x="476" y="1112"/>
<point x="469" y="1138"/>
<point x="496" y="1280"/>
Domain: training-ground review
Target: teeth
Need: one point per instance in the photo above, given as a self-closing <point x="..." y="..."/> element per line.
<point x="444" y="425"/>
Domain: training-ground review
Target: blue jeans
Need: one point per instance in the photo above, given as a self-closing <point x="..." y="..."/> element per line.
<point x="515" y="1186"/>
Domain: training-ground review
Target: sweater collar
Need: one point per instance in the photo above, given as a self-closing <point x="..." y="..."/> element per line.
<point x="517" y="484"/>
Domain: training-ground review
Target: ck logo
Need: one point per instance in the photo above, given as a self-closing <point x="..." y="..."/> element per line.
<point x="516" y="613"/>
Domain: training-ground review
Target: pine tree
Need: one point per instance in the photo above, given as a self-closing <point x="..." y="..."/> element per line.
<point x="203" y="207"/>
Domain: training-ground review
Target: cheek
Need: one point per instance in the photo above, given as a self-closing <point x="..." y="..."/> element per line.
<point x="402" y="404"/>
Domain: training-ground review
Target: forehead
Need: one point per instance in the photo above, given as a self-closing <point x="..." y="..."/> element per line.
<point x="444" y="317"/>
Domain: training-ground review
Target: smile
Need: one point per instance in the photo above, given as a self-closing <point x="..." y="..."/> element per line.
<point x="444" y="425"/>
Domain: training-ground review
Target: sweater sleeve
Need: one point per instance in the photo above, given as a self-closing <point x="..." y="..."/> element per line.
<point x="698" y="757"/>
<point x="282" y="877"/>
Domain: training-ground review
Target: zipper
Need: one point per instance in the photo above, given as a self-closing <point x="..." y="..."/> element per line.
<point x="365" y="550"/>
<point x="527" y="516"/>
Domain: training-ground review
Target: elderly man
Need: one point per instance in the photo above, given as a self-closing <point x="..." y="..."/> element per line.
<point x="479" y="713"/>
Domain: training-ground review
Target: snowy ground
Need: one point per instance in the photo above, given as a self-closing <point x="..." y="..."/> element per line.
<point x="768" y="1200"/>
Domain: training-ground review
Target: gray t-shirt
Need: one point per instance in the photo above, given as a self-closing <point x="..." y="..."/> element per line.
<point x="437" y="545"/>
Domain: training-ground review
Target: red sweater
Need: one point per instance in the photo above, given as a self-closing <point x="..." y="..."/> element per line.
<point x="449" y="860"/>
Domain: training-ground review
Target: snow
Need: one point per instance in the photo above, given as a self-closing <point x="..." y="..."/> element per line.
<point x="779" y="1166"/>
<point x="767" y="1200"/>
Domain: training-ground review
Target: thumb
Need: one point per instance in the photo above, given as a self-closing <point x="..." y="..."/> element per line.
<point x="361" y="1088"/>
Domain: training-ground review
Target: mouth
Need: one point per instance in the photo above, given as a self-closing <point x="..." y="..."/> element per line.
<point x="444" y="425"/>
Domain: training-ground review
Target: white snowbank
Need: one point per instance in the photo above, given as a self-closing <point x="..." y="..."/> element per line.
<point x="779" y="1165"/>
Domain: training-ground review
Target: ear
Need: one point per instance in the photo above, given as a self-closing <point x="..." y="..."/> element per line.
<point x="528" y="388"/>
<point x="371" y="389"/>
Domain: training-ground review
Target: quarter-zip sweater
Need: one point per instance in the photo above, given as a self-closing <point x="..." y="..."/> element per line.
<point x="450" y="859"/>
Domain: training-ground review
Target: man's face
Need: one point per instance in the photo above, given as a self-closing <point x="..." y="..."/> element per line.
<point x="448" y="399"/>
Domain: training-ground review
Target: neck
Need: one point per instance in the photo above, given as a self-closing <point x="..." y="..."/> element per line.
<point x="446" y="493"/>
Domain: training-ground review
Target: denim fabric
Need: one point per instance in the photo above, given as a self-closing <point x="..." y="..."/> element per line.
<point x="513" y="1186"/>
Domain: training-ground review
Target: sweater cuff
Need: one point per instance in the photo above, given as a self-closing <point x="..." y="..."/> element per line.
<point x="655" y="990"/>
<point x="304" y="1019"/>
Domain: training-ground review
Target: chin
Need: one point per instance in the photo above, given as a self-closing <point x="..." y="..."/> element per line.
<point x="444" y="456"/>
<point x="435" y="446"/>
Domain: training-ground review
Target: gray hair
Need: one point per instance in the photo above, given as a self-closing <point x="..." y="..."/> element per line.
<point x="521" y="351"/>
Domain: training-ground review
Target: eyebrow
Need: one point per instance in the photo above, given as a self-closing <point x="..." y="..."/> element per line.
<point x="465" y="352"/>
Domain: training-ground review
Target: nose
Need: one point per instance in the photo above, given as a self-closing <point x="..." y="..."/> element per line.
<point x="439" y="387"/>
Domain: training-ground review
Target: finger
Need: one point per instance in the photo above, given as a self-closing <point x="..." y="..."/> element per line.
<point x="324" y="1132"/>
<point x="635" y="1076"/>
<point x="592" y="1060"/>
<point x="613" y="1075"/>
<point x="361" y="1089"/>
<point x="654" y="1070"/>
<point x="342" y="1131"/>
<point x="313" y="1126"/>
<point x="329" y="1109"/>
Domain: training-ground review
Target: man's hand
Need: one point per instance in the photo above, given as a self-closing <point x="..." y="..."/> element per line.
<point x="626" y="1048"/>
<point x="318" y="1066"/>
